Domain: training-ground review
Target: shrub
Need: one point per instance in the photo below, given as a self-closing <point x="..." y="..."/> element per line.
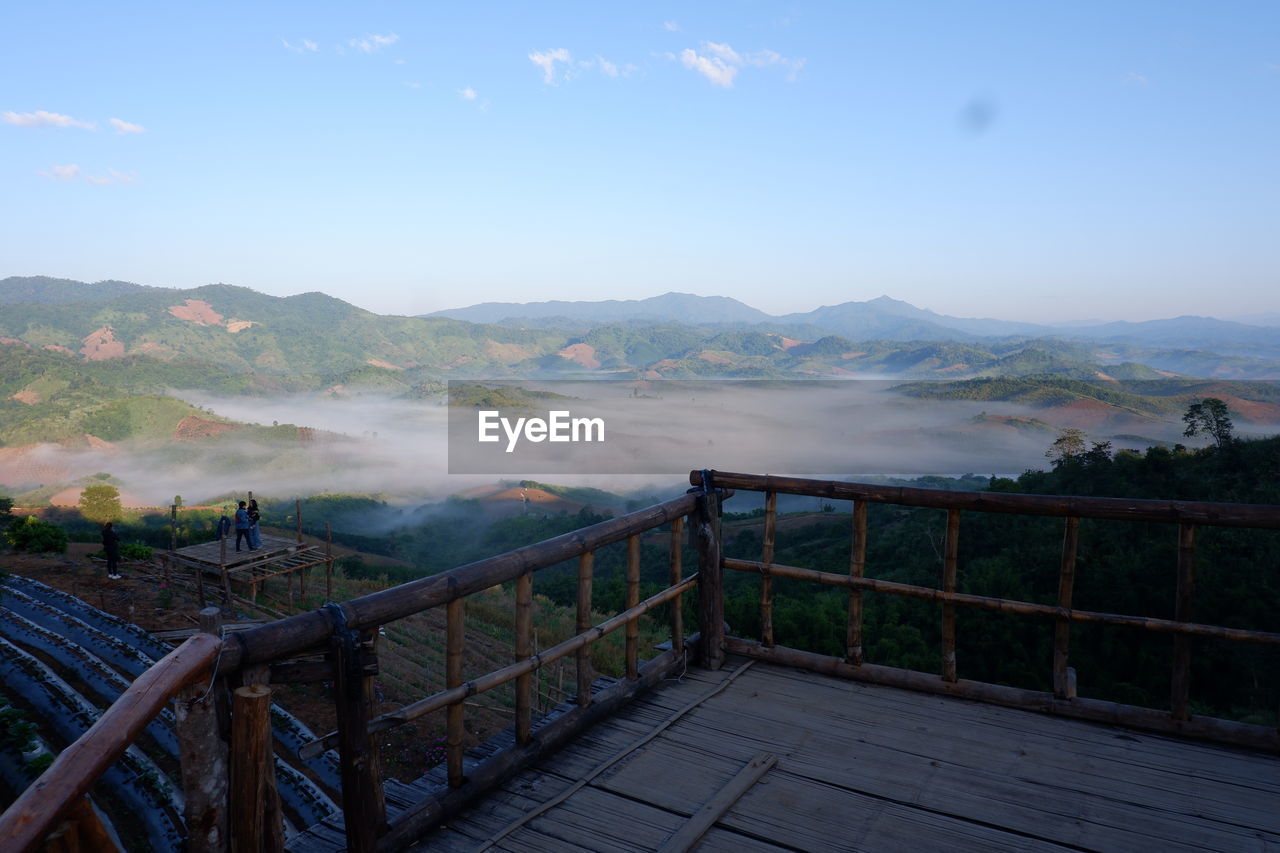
<point x="32" y="534"/>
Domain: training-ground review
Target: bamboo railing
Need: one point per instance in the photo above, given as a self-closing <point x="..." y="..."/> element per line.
<point x="60" y="790"/>
<point x="1188" y="516"/>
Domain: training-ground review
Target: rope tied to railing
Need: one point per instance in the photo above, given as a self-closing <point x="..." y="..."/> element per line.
<point x="213" y="676"/>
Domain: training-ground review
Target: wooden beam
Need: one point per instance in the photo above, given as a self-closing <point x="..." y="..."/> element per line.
<point x="706" y="532"/>
<point x="677" y="569"/>
<point x="203" y="752"/>
<point x="1180" y="686"/>
<point x="766" y="557"/>
<point x="719" y="805"/>
<point x="1121" y="509"/>
<point x="251" y="761"/>
<point x="523" y="649"/>
<point x="1004" y="605"/>
<point x="1063" y="686"/>
<point x="455" y="646"/>
<point x="586" y="563"/>
<point x="633" y="598"/>
<point x="857" y="568"/>
<point x="950" y="558"/>
<point x="363" y="807"/>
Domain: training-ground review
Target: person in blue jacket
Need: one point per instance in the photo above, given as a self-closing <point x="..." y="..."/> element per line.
<point x="243" y="527"/>
<point x="255" y="533"/>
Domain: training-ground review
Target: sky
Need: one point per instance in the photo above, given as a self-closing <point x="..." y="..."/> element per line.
<point x="1028" y="161"/>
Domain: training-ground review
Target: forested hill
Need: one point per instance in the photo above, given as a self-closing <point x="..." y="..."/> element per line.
<point x="1122" y="567"/>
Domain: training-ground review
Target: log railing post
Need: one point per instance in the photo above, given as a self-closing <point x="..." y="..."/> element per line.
<point x="524" y="649"/>
<point x="705" y="530"/>
<point x="766" y="556"/>
<point x="951" y="551"/>
<point x="633" y="598"/>
<point x="857" y="568"/>
<point x="1063" y="684"/>
<point x="677" y="570"/>
<point x="251" y="761"/>
<point x="1181" y="682"/>
<point x="363" y="807"/>
<point x="455" y="646"/>
<point x="226" y="576"/>
<point x="328" y="563"/>
<point x="202" y="748"/>
<point x="586" y="565"/>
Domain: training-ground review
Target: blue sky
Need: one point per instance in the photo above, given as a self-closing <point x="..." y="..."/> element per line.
<point x="1018" y="160"/>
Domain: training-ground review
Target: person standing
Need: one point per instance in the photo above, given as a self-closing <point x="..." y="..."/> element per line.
<point x="243" y="527"/>
<point x="111" y="544"/>
<point x="255" y="534"/>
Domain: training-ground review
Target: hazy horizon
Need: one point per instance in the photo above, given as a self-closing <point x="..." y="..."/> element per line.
<point x="1042" y="163"/>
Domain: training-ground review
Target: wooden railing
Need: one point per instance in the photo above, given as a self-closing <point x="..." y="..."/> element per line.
<point x="230" y="796"/>
<point x="1188" y="516"/>
<point x="60" y="790"/>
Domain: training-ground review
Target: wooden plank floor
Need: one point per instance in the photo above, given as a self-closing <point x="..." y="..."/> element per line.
<point x="864" y="767"/>
<point x="209" y="553"/>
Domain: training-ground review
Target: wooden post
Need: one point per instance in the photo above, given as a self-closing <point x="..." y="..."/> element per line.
<point x="203" y="755"/>
<point x="363" y="806"/>
<point x="273" y="817"/>
<point x="1181" y="682"/>
<point x="950" y="558"/>
<point x="455" y="644"/>
<point x="328" y="562"/>
<point x="297" y="516"/>
<point x="1063" y="685"/>
<point x="706" y="532"/>
<point x="226" y="576"/>
<point x="586" y="563"/>
<point x="633" y="598"/>
<point x="251" y="759"/>
<point x="766" y="556"/>
<point x="173" y="541"/>
<point x="857" y="568"/>
<point x="524" y="649"/>
<point x="677" y="570"/>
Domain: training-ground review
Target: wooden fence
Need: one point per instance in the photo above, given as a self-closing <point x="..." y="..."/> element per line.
<point x="229" y="788"/>
<point x="1186" y="516"/>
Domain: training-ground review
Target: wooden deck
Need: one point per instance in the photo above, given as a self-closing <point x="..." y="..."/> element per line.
<point x="864" y="767"/>
<point x="278" y="555"/>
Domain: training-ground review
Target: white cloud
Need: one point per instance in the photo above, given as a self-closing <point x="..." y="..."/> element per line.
<point x="671" y="26"/>
<point x="722" y="51"/>
<point x="547" y="62"/>
<point x="410" y="84"/>
<point x="373" y="43"/>
<point x="310" y="45"/>
<point x="713" y="68"/>
<point x="71" y="172"/>
<point x="1135" y="79"/>
<point x="123" y="126"/>
<point x="63" y="173"/>
<point x="720" y="63"/>
<point x="41" y="118"/>
<point x="467" y="94"/>
<point x="607" y="68"/>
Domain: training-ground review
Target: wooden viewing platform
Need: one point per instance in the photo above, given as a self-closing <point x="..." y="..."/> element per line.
<point x="865" y="767"/>
<point x="278" y="555"/>
<point x="719" y="742"/>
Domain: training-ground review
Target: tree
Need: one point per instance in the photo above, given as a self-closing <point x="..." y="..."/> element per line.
<point x="1209" y="416"/>
<point x="1068" y="445"/>
<point x="101" y="503"/>
<point x="32" y="534"/>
